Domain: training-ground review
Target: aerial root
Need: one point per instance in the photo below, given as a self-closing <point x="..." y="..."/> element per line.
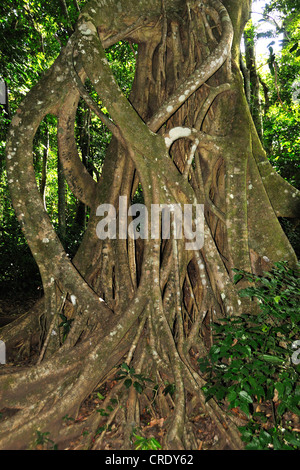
<point x="20" y="335"/>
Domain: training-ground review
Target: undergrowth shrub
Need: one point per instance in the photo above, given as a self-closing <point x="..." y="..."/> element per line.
<point x="253" y="365"/>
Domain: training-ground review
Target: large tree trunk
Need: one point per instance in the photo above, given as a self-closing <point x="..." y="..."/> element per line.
<point x="187" y="137"/>
<point x="254" y="102"/>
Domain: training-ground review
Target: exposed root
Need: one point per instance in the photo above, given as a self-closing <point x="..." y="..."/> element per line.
<point x="146" y="305"/>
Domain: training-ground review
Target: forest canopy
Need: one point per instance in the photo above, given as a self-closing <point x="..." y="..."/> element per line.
<point x="136" y="342"/>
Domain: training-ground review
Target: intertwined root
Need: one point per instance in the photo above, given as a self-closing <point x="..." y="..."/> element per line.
<point x="44" y="395"/>
<point x="144" y="303"/>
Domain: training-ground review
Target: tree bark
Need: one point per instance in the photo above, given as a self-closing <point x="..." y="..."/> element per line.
<point x="186" y="135"/>
<point x="44" y="168"/>
<point x="61" y="189"/>
<point x="255" y="104"/>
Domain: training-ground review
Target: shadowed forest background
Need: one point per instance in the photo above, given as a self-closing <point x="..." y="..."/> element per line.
<point x="263" y="407"/>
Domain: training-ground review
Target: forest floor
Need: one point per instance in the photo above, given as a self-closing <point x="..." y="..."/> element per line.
<point x="152" y="425"/>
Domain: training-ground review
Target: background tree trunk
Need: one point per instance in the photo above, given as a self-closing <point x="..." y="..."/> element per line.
<point x="44" y="168"/>
<point x="255" y="105"/>
<point x="62" y="226"/>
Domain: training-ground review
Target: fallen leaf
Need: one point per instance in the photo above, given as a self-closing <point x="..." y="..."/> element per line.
<point x="238" y="413"/>
<point x="198" y="417"/>
<point x="156" y="422"/>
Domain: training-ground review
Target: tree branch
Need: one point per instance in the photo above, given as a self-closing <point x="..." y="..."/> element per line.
<point x="80" y="181"/>
<point x="210" y="65"/>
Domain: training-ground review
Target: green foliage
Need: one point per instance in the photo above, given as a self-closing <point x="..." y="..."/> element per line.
<point x="43" y="440"/>
<point x="282" y="137"/>
<point x="130" y="378"/>
<point x="102" y="412"/>
<point x="17" y="265"/>
<point x="250" y="361"/>
<point x="287" y="61"/>
<point x="68" y="418"/>
<point x="276" y="438"/>
<point x="103" y="428"/>
<point x="65" y="325"/>
<point x="250" y="32"/>
<point x="143" y="443"/>
<point x="122" y="58"/>
<point x="289" y="8"/>
<point x="138" y="197"/>
<point x="169" y="389"/>
<point x="106" y="412"/>
<point x="31" y="35"/>
<point x="278" y="292"/>
<point x="281" y="120"/>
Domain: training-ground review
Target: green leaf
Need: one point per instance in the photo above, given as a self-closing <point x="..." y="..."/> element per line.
<point x="231" y="396"/>
<point x="276" y="443"/>
<point x="272" y="359"/>
<point x="281" y="408"/>
<point x="245" y="408"/>
<point x="170" y="389"/>
<point x="259" y="392"/>
<point x="128" y="383"/>
<point x="214" y="350"/>
<point x="254" y="445"/>
<point x="102" y="412"/>
<point x="100" y="429"/>
<point x="245" y="396"/>
<point x="147" y="379"/>
<point x="138" y="387"/>
<point x="154" y="444"/>
<point x="294" y="47"/>
<point x="124" y="366"/>
<point x="120" y="376"/>
<point x="237" y="278"/>
<point x="265" y="438"/>
<point x="280" y="389"/>
<point x="292" y="438"/>
<point x="139" y="377"/>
